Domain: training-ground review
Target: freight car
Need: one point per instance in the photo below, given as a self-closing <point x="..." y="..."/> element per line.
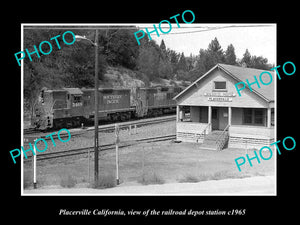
<point x="69" y="107"/>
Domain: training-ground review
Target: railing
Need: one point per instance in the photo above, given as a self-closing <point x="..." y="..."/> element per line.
<point x="204" y="132"/>
<point x="222" y="139"/>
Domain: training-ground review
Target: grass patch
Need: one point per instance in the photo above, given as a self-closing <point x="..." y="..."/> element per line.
<point x="153" y="178"/>
<point x="171" y="162"/>
<point x="27" y="180"/>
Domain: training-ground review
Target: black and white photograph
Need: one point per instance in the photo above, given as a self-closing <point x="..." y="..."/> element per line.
<point x="171" y="118"/>
<point x="135" y="114"/>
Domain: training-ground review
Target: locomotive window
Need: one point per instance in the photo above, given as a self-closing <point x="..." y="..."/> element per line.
<point x="42" y="96"/>
<point x="77" y="99"/>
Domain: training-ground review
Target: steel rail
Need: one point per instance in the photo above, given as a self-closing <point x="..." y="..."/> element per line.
<point x="79" y="151"/>
<point x="110" y="127"/>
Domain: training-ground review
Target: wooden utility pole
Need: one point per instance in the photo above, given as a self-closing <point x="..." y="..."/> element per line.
<point x="96" y="138"/>
<point x="117" y="153"/>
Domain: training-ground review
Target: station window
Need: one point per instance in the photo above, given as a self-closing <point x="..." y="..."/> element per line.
<point x="258" y="116"/>
<point x="247" y="116"/>
<point x="220" y="86"/>
<point x="253" y="116"/>
<point x="272" y="117"/>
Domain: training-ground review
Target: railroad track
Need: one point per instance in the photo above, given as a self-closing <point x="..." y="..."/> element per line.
<point x="109" y="127"/>
<point x="79" y="151"/>
<point x="125" y="125"/>
<point x="30" y="131"/>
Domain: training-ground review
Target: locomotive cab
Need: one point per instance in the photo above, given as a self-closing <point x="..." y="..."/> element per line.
<point x="58" y="109"/>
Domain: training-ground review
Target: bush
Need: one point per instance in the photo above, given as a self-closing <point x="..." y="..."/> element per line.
<point x="151" y="179"/>
<point x="220" y="175"/>
<point x="105" y="181"/>
<point x="189" y="179"/>
<point x="68" y="181"/>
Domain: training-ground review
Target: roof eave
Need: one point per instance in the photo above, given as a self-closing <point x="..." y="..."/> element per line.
<point x="234" y="77"/>
<point x="195" y="82"/>
<point x="226" y="71"/>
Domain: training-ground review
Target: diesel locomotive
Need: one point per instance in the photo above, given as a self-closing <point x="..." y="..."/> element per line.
<point x="70" y="107"/>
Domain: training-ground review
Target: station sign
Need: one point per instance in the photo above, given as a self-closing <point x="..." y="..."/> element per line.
<point x="220" y="96"/>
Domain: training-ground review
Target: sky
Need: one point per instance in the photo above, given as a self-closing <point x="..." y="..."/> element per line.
<point x="259" y="39"/>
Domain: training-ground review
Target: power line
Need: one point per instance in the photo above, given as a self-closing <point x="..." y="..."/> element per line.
<point x="128" y="26"/>
<point x="218" y="28"/>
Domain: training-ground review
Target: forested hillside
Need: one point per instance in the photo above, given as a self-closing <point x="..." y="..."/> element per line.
<point x="73" y="65"/>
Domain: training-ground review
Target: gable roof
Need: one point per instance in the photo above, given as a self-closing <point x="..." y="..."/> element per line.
<point x="240" y="74"/>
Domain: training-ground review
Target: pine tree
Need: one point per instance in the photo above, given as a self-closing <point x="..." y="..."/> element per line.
<point x="163" y="46"/>
<point x="246" y="58"/>
<point x="173" y="58"/>
<point x="215" y="51"/>
<point x="182" y="64"/>
<point x="148" y="60"/>
<point x="214" y="54"/>
<point x="257" y="62"/>
<point x="230" y="57"/>
<point x="260" y="62"/>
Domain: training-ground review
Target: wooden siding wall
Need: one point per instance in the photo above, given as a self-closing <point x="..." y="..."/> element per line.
<point x="190" y="132"/>
<point x="195" y="96"/>
<point x="250" y="136"/>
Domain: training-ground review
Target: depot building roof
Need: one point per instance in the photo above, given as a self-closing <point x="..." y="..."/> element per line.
<point x="239" y="74"/>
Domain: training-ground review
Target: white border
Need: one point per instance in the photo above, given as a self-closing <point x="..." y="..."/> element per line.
<point x="22" y="111"/>
<point x="275" y="113"/>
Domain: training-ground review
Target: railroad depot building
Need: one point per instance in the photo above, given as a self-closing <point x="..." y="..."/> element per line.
<point x="211" y="112"/>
